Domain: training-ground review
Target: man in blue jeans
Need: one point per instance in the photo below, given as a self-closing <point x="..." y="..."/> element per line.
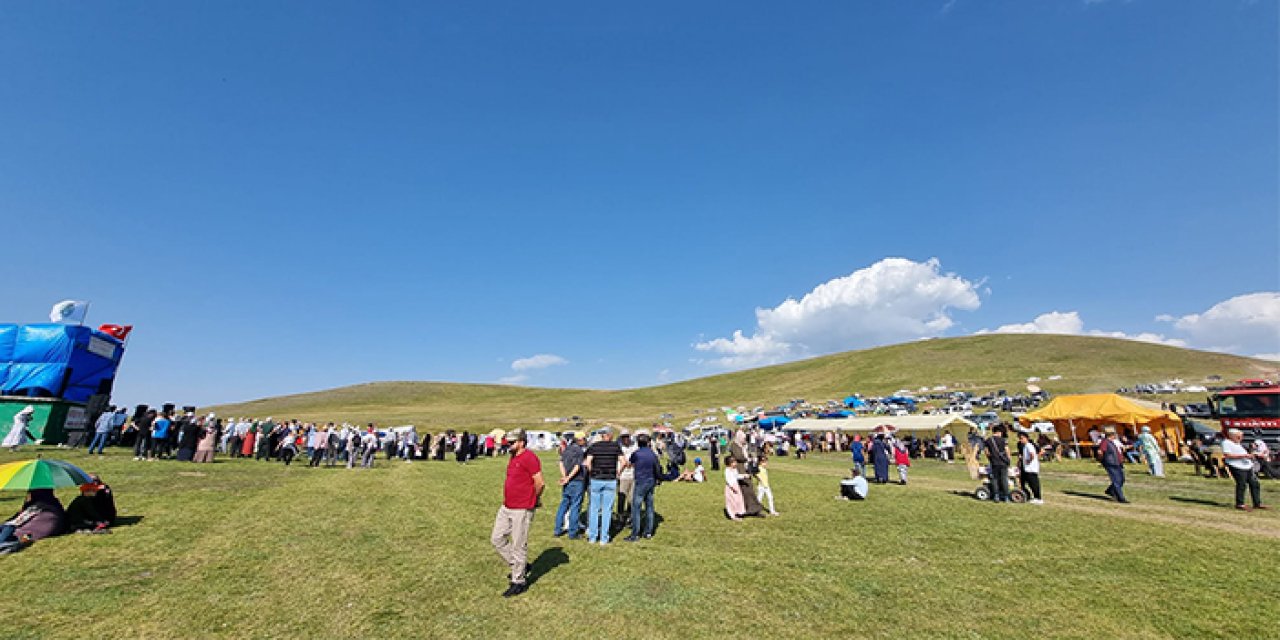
<point x="572" y="485"/>
<point x="102" y="430"/>
<point x="1112" y="453"/>
<point x="603" y="462"/>
<point x="647" y="472"/>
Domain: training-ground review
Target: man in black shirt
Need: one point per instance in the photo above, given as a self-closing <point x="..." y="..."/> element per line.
<point x="603" y="462"/>
<point x="998" y="458"/>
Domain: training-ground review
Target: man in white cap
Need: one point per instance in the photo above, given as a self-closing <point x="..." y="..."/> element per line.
<point x="520" y="498"/>
<point x="1240" y="464"/>
<point x="573" y="485"/>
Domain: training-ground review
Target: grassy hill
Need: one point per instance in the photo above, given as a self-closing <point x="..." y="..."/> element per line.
<point x="1086" y="364"/>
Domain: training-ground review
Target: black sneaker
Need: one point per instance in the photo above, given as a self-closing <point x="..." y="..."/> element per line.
<point x="511" y="587"/>
<point x="515" y="590"/>
<point x="631" y="538"/>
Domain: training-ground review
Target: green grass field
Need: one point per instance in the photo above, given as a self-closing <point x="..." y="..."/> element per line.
<point x="243" y="549"/>
<point x="987" y="362"/>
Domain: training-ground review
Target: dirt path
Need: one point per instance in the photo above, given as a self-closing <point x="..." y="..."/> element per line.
<point x="1208" y="518"/>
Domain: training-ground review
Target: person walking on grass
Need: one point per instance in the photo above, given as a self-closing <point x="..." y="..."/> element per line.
<point x="903" y="460"/>
<point x="858" y="453"/>
<point x="573" y="483"/>
<point x="763" y="488"/>
<point x="603" y="462"/>
<point x="369" y="447"/>
<point x="644" y="463"/>
<point x="947" y="448"/>
<point x="1151" y="452"/>
<point x="521" y="494"/>
<point x="997" y="450"/>
<point x="102" y="430"/>
<point x="734" y="507"/>
<point x="1240" y="464"/>
<point x="1111" y="454"/>
<point x="1029" y="468"/>
<point x="287" y="448"/>
<point x="880" y="459"/>
<point x="353" y="446"/>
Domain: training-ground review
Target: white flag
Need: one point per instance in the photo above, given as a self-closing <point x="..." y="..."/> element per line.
<point x="69" y="311"/>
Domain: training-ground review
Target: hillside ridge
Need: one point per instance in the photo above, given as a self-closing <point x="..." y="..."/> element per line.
<point x="1085" y="364"/>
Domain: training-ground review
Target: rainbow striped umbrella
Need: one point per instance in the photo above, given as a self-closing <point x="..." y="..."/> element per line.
<point x="41" y="474"/>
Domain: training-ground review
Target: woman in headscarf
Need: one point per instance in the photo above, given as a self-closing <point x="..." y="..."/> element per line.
<point x="40" y="517"/>
<point x="1151" y="452"/>
<point x="94" y="509"/>
<point x="461" y="450"/>
<point x="250" y="437"/>
<point x="18" y="433"/>
<point x="208" y="439"/>
<point x="188" y="436"/>
<point x="880" y="458"/>
<point x="734" y="507"/>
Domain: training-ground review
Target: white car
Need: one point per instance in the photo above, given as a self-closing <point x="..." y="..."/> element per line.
<point x="541" y="440"/>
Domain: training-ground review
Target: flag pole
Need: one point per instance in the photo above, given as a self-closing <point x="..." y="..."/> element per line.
<point x="86" y="312"/>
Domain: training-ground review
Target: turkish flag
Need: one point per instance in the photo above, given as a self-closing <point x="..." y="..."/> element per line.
<point x="119" y="332"/>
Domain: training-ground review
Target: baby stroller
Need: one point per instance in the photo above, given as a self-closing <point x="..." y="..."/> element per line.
<point x="984" y="491"/>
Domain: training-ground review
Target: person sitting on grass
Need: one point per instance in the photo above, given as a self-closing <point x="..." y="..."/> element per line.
<point x="40" y="517"/>
<point x="94" y="510"/>
<point x="854" y="487"/>
<point x="699" y="474"/>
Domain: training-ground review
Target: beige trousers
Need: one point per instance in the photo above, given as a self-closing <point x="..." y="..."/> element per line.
<point x="510" y="539"/>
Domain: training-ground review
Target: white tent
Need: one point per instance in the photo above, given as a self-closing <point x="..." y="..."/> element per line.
<point x="867" y="425"/>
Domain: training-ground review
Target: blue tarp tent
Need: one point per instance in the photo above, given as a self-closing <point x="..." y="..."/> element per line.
<point x="57" y="361"/>
<point x="770" y="422"/>
<point x="854" y="402"/>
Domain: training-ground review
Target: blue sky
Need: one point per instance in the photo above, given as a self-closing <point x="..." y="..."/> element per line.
<point x="291" y="196"/>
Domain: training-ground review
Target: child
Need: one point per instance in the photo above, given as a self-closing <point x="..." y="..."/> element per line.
<point x="1029" y="468"/>
<point x="903" y="461"/>
<point x="733" y="505"/>
<point x="763" y="489"/>
<point x="698" y="474"/>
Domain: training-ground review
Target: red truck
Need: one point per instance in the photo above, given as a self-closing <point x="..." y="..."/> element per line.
<point x="1252" y="406"/>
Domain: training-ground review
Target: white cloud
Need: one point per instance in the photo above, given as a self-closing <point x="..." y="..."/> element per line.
<point x="1245" y="324"/>
<point x="890" y="301"/>
<point x="540" y="361"/>
<point x="1268" y="356"/>
<point x="523" y="366"/>
<point x="1053" y="322"/>
<point x="1071" y="324"/>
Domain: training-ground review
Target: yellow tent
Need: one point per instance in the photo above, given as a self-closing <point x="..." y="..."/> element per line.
<point x="1073" y="416"/>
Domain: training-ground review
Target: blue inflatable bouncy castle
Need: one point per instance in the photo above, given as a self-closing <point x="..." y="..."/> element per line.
<point x="72" y="363"/>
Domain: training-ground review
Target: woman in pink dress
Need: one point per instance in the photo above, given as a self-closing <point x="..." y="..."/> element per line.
<point x="733" y="505"/>
<point x="208" y="439"/>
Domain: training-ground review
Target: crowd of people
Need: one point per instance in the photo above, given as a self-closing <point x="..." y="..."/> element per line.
<point x="607" y="479"/>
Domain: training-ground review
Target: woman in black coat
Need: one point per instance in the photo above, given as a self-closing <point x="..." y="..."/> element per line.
<point x="463" y="447"/>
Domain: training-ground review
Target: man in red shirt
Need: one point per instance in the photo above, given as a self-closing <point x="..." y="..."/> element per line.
<point x="520" y="497"/>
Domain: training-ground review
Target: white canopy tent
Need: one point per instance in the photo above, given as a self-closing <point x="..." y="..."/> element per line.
<point x="867" y="425"/>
